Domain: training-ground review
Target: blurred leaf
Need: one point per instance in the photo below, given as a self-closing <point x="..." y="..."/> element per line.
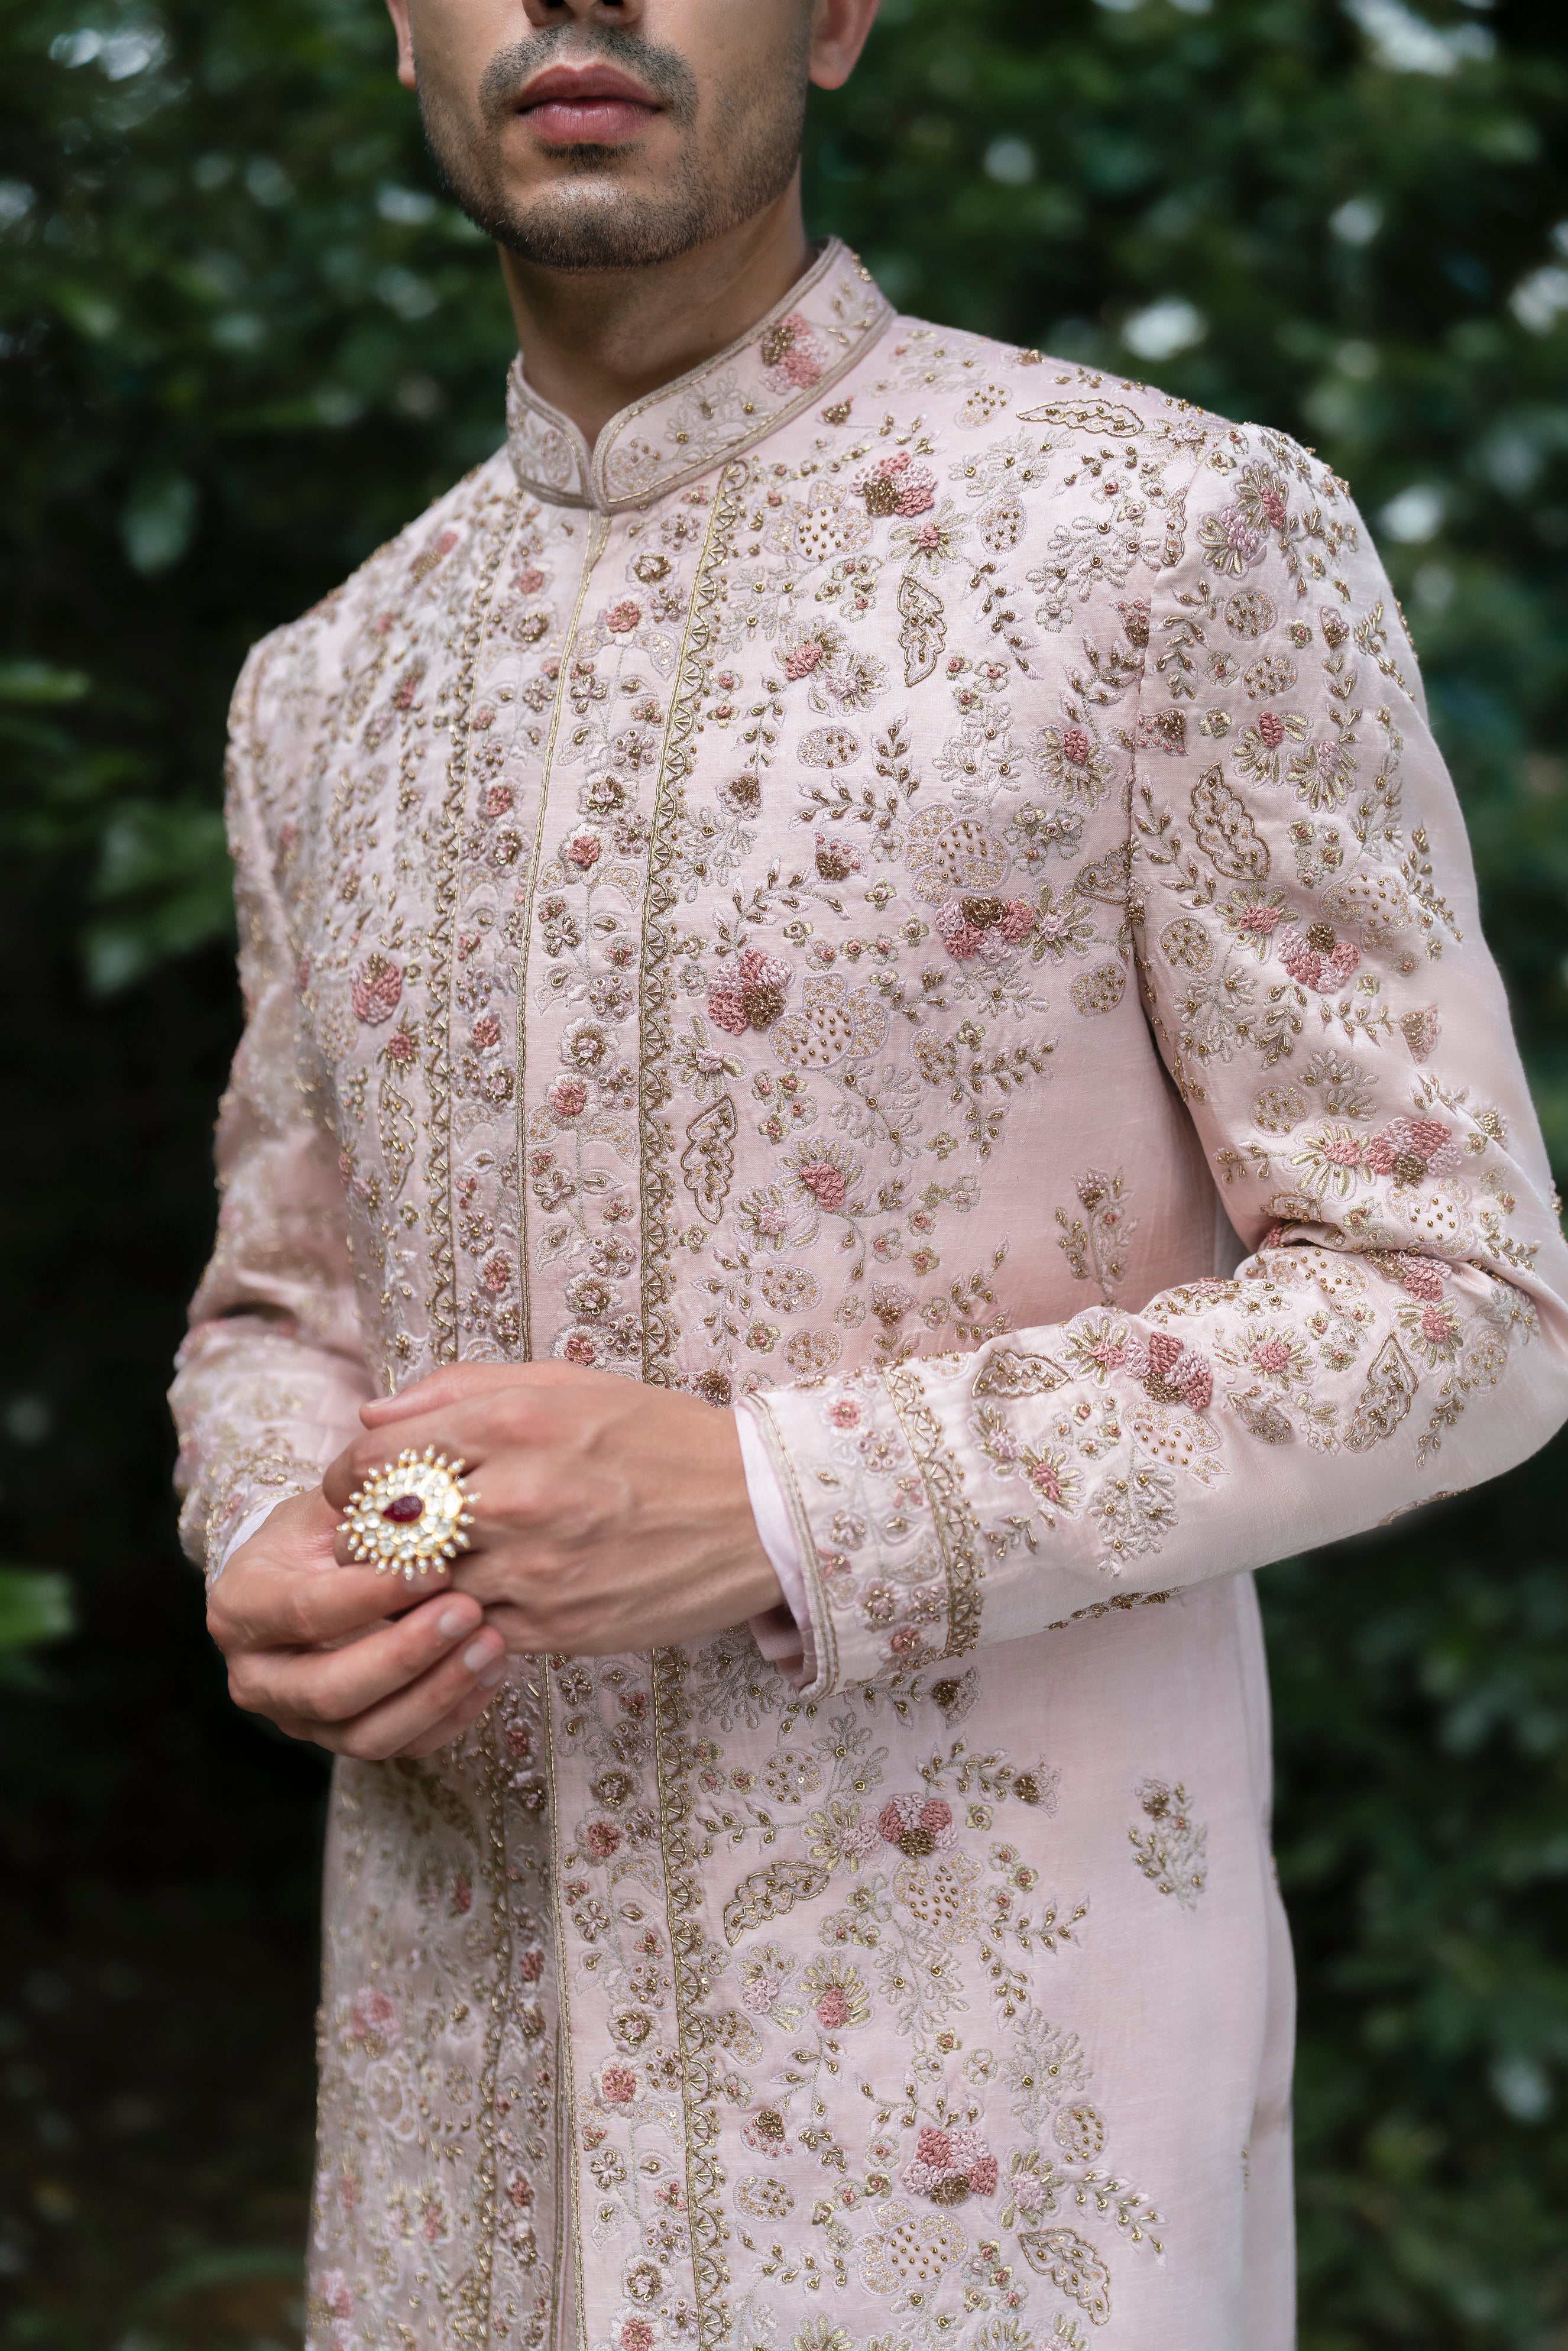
<point x="158" y="521"/>
<point x="35" y="1607"/>
<point x="36" y="681"/>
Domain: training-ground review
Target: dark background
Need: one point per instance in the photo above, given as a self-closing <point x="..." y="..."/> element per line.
<point x="241" y="341"/>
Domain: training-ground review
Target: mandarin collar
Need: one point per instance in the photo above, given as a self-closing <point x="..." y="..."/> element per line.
<point x="829" y="318"/>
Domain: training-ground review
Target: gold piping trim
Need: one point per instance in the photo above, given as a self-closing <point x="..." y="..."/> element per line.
<point x="566" y="2087"/>
<point x="660" y="1335"/>
<point x="447" y="868"/>
<point x="475" y="2293"/>
<point x="700" y="2127"/>
<point x="958" y="1530"/>
<point x="598" y="533"/>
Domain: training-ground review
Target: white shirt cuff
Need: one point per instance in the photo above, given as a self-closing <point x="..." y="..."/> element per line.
<point x="782" y="1633"/>
<point x="243" y="1533"/>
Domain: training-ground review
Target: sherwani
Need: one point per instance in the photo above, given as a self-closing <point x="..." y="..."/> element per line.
<point x="908" y="893"/>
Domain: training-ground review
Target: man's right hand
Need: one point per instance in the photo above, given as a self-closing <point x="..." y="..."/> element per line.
<point x="405" y="1687"/>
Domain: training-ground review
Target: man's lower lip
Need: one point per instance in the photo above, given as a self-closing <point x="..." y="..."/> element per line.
<point x="599" y="121"/>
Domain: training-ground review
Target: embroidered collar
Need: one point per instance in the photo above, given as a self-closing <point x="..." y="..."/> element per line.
<point x="825" y="323"/>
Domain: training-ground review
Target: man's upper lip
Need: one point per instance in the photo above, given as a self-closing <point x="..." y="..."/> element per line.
<point x="559" y="83"/>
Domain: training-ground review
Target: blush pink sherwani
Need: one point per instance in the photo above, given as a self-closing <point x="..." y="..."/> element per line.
<point x="910" y="892"/>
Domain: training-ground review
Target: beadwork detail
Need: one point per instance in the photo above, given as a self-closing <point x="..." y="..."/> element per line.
<point x="411" y="1516"/>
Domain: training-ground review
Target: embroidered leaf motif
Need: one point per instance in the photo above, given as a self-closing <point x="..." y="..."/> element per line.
<point x="1225" y="831"/>
<point x="1074" y="2267"/>
<point x="768" y="1893"/>
<point x="1011" y="1372"/>
<point x="1172" y="1852"/>
<point x="1387" y="1396"/>
<point x="1095" y="1244"/>
<point x="395" y="1122"/>
<point x="707" y="1163"/>
<point x="1085" y="416"/>
<point x="924" y="629"/>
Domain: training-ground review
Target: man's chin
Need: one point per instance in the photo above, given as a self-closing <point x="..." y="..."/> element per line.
<point x="607" y="225"/>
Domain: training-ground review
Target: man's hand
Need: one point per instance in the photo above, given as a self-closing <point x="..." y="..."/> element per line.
<point x="609" y="1516"/>
<point x="407" y="1687"/>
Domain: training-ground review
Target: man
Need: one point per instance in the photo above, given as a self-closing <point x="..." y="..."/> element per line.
<point x="790" y="923"/>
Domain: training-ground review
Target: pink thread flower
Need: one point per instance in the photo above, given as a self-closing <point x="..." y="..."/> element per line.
<point x="917" y="1825"/>
<point x="621" y="618"/>
<point x="802" y="659"/>
<point x="1420" y="1276"/>
<point x="1240" y="534"/>
<point x="1315" y="959"/>
<point x="949" y="2166"/>
<point x="754" y="996"/>
<point x="583" y="848"/>
<point x="825" y="1183"/>
<point x="1171" y="1371"/>
<point x="1413" y="1149"/>
<point x="896" y="486"/>
<point x="375" y="989"/>
<point x="567" y="1098"/>
<point x="371" y="2015"/>
<point x="790" y="350"/>
<point x="959" y="937"/>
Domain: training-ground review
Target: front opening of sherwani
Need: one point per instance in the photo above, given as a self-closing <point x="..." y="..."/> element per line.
<point x="909" y="890"/>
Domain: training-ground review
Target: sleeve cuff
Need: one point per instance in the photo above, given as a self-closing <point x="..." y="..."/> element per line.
<point x="782" y="1633"/>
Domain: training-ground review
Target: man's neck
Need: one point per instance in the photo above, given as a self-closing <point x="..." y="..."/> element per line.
<point x="594" y="340"/>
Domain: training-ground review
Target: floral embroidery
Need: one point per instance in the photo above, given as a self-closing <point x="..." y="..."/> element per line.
<point x="690" y="890"/>
<point x="1171" y="1851"/>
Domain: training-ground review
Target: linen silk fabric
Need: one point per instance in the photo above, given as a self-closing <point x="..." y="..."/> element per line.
<point x="864" y="897"/>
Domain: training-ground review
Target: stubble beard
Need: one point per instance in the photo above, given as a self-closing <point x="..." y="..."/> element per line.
<point x="743" y="165"/>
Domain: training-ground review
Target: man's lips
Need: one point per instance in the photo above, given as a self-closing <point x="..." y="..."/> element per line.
<point x="597" y="106"/>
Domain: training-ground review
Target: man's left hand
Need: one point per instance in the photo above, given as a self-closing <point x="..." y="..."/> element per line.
<point x="609" y="1516"/>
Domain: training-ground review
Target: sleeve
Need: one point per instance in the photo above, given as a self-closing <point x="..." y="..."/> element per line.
<point x="782" y="1633"/>
<point x="1302" y="911"/>
<point x="273" y="1370"/>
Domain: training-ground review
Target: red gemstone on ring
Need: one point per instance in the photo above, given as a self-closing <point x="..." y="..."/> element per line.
<point x="404" y="1508"/>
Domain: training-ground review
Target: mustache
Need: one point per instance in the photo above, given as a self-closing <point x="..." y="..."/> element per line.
<point x="661" y="70"/>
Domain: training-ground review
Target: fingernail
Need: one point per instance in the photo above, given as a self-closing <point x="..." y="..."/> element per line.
<point x="451" y="1621"/>
<point x="480" y="1652"/>
<point x="492" y="1674"/>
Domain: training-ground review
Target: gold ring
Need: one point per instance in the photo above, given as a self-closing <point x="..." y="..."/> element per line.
<point x="410" y="1515"/>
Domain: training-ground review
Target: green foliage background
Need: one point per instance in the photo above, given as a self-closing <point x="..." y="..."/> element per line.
<point x="241" y="340"/>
